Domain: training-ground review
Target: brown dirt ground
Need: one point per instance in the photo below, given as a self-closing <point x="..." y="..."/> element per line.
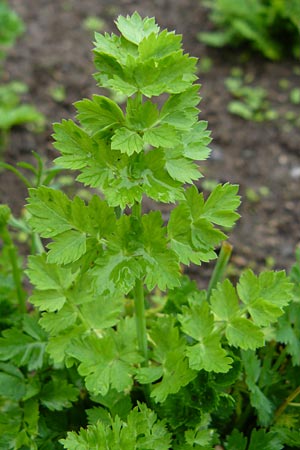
<point x="56" y="51"/>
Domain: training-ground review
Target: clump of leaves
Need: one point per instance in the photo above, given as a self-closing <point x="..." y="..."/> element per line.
<point x="271" y="27"/>
<point x="251" y="102"/>
<point x="120" y="342"/>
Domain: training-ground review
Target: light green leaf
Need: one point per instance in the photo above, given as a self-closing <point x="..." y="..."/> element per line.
<point x="161" y="136"/>
<point x="67" y="247"/>
<point x="243" y="333"/>
<point x="49" y="276"/>
<point x="75" y="145"/>
<point x="265" y="295"/>
<point x="142" y="431"/>
<point x="182" y="169"/>
<point x="209" y="355"/>
<point x="50" y="211"/>
<point x="107" y="362"/>
<point x="197" y="321"/>
<point x="127" y="141"/>
<point x="159" y="45"/>
<point x="224" y="301"/>
<point x="99" y="114"/>
<point x="135" y="29"/>
<point x="55" y="322"/>
<point x="169" y="352"/>
<point x="196" y="142"/>
<point x="220" y="206"/>
<point x="140" y="115"/>
<point x="176" y="374"/>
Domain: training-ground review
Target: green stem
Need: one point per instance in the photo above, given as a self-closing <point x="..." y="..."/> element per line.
<point x="286" y="403"/>
<point x="139" y="302"/>
<point x="220" y="267"/>
<point x="279" y="360"/>
<point x="17" y="273"/>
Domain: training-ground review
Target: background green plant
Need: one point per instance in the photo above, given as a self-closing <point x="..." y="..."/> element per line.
<point x="12" y="111"/>
<point x="269" y="26"/>
<point x="116" y="339"/>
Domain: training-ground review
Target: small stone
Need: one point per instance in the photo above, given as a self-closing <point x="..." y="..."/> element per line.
<point x="295" y="172"/>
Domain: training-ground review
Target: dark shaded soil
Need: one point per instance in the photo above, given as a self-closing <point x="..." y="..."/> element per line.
<point x="56" y="51"/>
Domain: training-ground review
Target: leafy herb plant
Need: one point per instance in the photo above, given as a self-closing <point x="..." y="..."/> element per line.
<point x="271" y="27"/>
<point x="120" y="342"/>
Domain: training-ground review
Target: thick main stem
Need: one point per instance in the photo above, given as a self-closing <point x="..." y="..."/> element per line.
<point x="139" y="302"/>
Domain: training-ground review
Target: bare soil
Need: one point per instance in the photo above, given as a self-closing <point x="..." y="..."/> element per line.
<point x="263" y="158"/>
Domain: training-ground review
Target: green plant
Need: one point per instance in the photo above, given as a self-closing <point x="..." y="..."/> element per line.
<point x="251" y="103"/>
<point x="12" y="112"/>
<point x="120" y="342"/>
<point x="11" y="26"/>
<point x="269" y="26"/>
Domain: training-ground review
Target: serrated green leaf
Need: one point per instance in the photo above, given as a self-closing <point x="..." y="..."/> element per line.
<point x="107" y="362"/>
<point x="12" y="382"/>
<point x="57" y="345"/>
<point x="67" y="247"/>
<point x="169" y="352"/>
<point x="265" y="295"/>
<point x="209" y="355"/>
<point x="140" y="115"/>
<point x="135" y="29"/>
<point x="75" y="145"/>
<point x="224" y="301"/>
<point x="55" y="322"/>
<point x="99" y="114"/>
<point x="236" y="441"/>
<point x="127" y="141"/>
<point x="22" y="348"/>
<point x="161" y="136"/>
<point x="188" y="228"/>
<point x="220" y="206"/>
<point x="181" y="104"/>
<point x="265" y="408"/>
<point x="50" y="210"/>
<point x="159" y="45"/>
<point x="196" y="142"/>
<point x="243" y="333"/>
<point x="197" y="321"/>
<point x="141" y="431"/>
<point x="262" y="440"/>
<point x="48" y="276"/>
<point x="288" y="332"/>
<point x="182" y="169"/>
<point x="58" y="394"/>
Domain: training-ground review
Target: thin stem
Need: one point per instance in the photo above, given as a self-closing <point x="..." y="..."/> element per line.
<point x="16" y="172"/>
<point x="280" y="360"/>
<point x="17" y="273"/>
<point x="220" y="267"/>
<point x="286" y="403"/>
<point x="139" y="301"/>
